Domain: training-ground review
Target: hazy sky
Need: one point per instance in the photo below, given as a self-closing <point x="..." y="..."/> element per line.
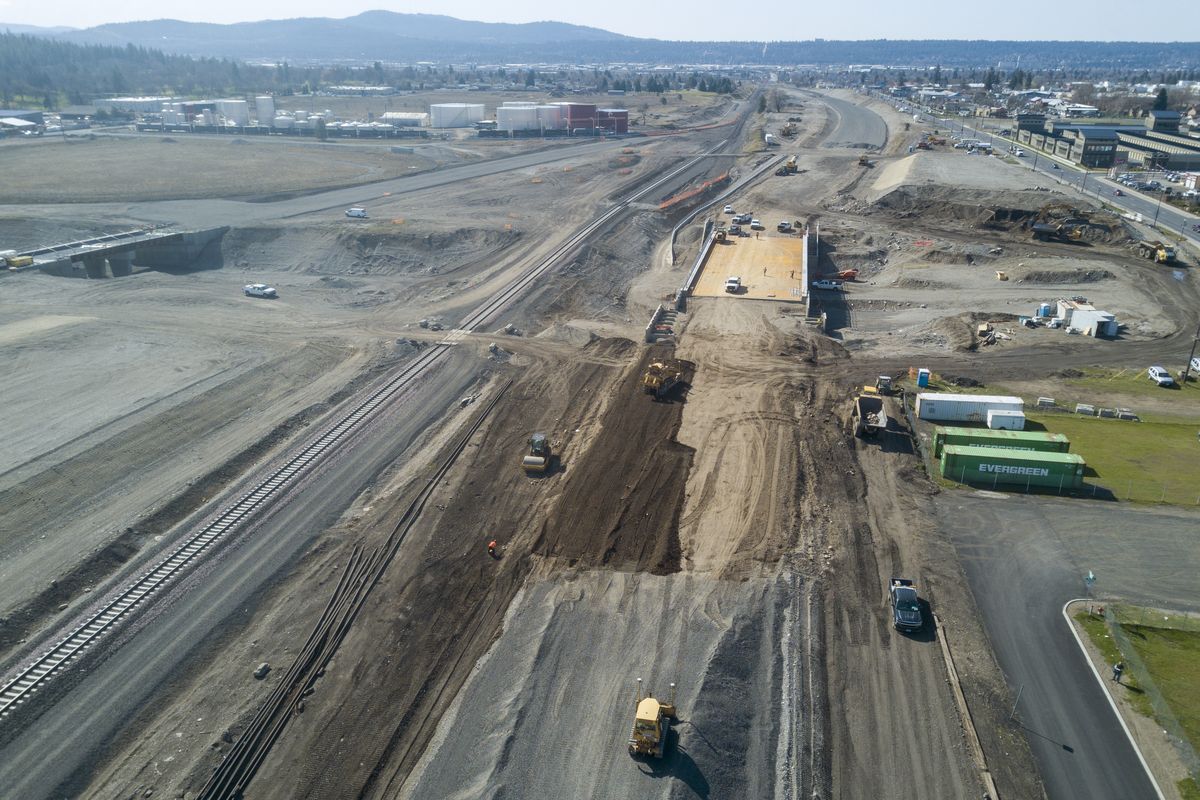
<point x="698" y="20"/>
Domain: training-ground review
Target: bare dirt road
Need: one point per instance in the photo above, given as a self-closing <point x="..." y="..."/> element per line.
<point x="736" y="540"/>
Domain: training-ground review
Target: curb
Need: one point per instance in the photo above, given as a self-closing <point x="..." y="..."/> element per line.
<point x="964" y="711"/>
<point x="1104" y="687"/>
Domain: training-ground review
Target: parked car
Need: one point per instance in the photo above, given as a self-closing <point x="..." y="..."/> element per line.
<point x="733" y="284"/>
<point x="1195" y="363"/>
<point x="827" y="284"/>
<point x="728" y="209"/>
<point x="735" y="230"/>
<point x="756" y="225"/>
<point x="260" y="290"/>
<point x="360" y="213"/>
<point x="784" y="226"/>
<point x="1160" y="376"/>
<point x="743" y="219"/>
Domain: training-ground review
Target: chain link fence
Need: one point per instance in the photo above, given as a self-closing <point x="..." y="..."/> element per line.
<point x="1164" y="716"/>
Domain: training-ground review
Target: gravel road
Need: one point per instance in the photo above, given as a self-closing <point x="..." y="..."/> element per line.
<point x="548" y="710"/>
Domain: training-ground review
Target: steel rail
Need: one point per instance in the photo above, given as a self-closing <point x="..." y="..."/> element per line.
<point x="36" y="674"/>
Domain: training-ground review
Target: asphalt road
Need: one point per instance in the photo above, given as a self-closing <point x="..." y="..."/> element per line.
<point x="44" y="757"/>
<point x="1024" y="558"/>
<point x="1149" y="206"/>
<point x="856" y="125"/>
<point x="193" y="214"/>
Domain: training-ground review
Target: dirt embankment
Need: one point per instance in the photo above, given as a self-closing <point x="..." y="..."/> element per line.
<point x="442" y="604"/>
<point x="621" y="505"/>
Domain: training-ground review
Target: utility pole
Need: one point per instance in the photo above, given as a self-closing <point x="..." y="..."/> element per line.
<point x="1188" y="368"/>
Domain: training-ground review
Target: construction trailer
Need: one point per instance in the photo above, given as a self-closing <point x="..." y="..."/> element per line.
<point x="1038" y="441"/>
<point x="1002" y="420"/>
<point x="991" y="466"/>
<point x="940" y="407"/>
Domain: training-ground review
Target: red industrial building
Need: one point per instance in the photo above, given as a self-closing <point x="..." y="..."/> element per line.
<point x="615" y="120"/>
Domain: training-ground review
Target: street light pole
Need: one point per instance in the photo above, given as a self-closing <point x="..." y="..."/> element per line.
<point x="1157" y="209"/>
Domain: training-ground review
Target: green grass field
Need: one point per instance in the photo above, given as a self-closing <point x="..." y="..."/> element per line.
<point x="1173" y="660"/>
<point x="1132" y="384"/>
<point x="1146" y="462"/>
<point x="1169" y="647"/>
<point x="1097" y="630"/>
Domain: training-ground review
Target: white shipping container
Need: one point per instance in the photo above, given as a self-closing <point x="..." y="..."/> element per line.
<point x="998" y="420"/>
<point x="963" y="407"/>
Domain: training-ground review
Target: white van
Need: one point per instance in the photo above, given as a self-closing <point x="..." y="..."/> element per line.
<point x="361" y="213"/>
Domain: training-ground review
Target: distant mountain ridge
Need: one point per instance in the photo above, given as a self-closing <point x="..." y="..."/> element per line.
<point x="408" y="38"/>
<point x="369" y="35"/>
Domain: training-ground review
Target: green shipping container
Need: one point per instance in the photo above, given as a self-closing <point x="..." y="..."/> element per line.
<point x="991" y="466"/>
<point x="1041" y="441"/>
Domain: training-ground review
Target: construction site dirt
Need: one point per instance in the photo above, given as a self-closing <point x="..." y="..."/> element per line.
<point x="733" y="538"/>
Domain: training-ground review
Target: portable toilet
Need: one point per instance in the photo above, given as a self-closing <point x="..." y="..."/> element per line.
<point x="922" y="378"/>
<point x="1044" y="310"/>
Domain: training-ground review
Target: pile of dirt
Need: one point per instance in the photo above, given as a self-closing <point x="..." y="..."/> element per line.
<point x="621" y="506"/>
<point x="975" y="208"/>
<point x="365" y="251"/>
<point x="1067" y="276"/>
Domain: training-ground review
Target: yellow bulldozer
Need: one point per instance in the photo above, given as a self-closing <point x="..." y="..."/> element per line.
<point x="660" y="378"/>
<point x="651" y="724"/>
<point x="538" y="459"/>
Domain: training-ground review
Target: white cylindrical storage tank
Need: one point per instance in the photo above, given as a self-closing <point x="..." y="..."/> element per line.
<point x="517" y="118"/>
<point x="301" y="116"/>
<point x="455" y="115"/>
<point x="550" y="117"/>
<point x="265" y="107"/>
<point x="283" y="122"/>
<point x="236" y="112"/>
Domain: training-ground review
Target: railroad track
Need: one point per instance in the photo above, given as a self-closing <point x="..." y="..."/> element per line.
<point x="363" y="571"/>
<point x="35" y="675"/>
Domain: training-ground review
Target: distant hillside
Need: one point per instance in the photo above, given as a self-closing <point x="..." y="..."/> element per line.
<point x="45" y="72"/>
<point x="408" y="38"/>
<point x="372" y="35"/>
<point x="8" y="27"/>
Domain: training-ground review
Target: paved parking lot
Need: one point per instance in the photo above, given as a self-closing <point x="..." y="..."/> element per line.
<point x="770" y="266"/>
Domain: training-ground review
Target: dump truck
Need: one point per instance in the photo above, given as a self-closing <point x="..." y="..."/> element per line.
<point x="863" y="161"/>
<point x="538" y="459"/>
<point x="651" y="724"/>
<point x="660" y="378"/>
<point x="869" y="415"/>
<point x="790" y="164"/>
<point x="884" y="385"/>
<point x="1156" y="251"/>
<point x="1064" y="231"/>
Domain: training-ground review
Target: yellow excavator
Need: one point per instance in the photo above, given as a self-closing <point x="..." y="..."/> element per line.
<point x="660" y="377"/>
<point x="538" y="459"/>
<point x="651" y="724"/>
